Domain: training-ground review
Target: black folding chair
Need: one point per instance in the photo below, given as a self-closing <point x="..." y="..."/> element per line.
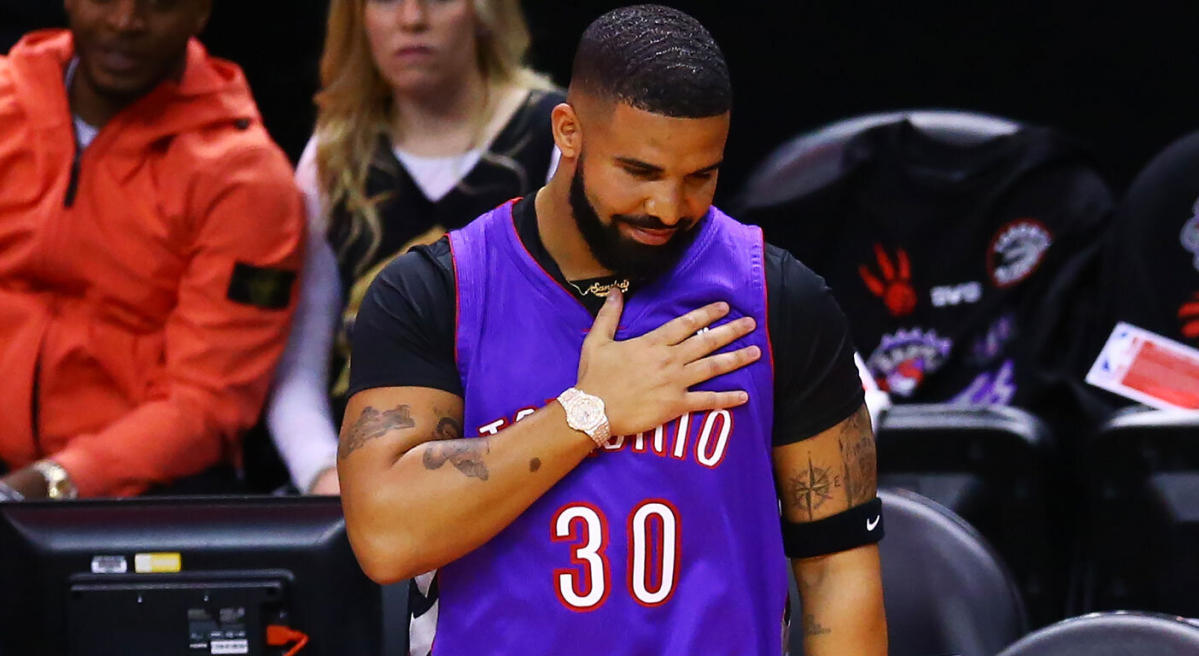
<point x="1112" y="634"/>
<point x="1143" y="537"/>
<point x="989" y="464"/>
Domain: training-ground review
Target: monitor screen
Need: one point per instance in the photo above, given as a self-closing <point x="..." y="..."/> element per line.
<point x="187" y="576"/>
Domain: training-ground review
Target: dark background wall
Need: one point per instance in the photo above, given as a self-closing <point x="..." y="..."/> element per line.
<point x="1119" y="76"/>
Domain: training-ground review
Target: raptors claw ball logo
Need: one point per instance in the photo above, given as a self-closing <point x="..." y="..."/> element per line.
<point x="895" y="286"/>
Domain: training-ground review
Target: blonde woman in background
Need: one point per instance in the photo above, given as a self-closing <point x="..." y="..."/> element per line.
<point x="426" y="119"/>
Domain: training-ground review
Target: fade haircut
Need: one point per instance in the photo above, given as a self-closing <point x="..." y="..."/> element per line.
<point x="656" y="59"/>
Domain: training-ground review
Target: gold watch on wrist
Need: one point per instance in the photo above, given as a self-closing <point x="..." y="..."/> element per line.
<point x="58" y="481"/>
<point x="585" y="413"/>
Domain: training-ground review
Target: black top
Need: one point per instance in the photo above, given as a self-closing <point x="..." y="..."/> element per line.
<point x="953" y="262"/>
<point x="404" y="335"/>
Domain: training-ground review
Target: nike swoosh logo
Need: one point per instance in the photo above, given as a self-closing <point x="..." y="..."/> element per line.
<point x="871" y="525"/>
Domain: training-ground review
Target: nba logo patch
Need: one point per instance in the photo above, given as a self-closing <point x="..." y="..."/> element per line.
<point x="1189" y="237"/>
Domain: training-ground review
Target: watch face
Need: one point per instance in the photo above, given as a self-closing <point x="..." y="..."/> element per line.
<point x="591" y="412"/>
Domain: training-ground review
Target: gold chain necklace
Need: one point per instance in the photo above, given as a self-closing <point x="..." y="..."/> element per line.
<point x="600" y="289"/>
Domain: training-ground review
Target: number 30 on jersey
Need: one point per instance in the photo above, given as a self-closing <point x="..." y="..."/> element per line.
<point x="653" y="559"/>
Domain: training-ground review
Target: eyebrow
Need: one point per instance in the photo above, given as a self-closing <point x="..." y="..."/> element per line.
<point x="646" y="166"/>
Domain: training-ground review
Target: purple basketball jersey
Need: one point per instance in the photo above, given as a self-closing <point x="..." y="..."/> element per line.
<point x="666" y="542"/>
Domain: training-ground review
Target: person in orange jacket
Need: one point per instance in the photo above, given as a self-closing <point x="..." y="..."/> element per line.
<point x="150" y="234"/>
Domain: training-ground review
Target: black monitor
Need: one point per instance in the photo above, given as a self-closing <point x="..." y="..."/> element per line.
<point x="186" y="576"/>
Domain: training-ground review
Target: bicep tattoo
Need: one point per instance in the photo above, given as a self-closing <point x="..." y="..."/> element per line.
<point x="809" y="488"/>
<point x="372" y="424"/>
<point x="858" y="458"/>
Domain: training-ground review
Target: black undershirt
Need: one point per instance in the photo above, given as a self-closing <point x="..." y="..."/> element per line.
<point x="404" y="333"/>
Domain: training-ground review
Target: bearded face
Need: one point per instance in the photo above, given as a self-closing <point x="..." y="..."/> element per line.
<point x="619" y="253"/>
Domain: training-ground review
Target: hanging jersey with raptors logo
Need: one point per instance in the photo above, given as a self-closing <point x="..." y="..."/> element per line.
<point x="951" y="261"/>
<point x="1151" y="264"/>
<point x="665" y="542"/>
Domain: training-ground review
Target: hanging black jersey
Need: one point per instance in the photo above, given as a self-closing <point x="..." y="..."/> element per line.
<point x="1151" y="260"/>
<point x="944" y="256"/>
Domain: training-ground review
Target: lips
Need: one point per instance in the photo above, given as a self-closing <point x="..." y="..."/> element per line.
<point x="650" y="236"/>
<point x="117" y="60"/>
<point x="413" y="51"/>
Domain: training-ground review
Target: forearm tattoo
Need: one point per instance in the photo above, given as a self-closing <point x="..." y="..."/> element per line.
<point x="372" y="424"/>
<point x="448" y="446"/>
<point x="858" y="458"/>
<point x="813" y="628"/>
<point x="810" y="581"/>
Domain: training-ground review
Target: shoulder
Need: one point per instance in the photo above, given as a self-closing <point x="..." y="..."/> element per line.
<point x="306" y="174"/>
<point x="801" y="307"/>
<point x="234" y="180"/>
<point x="423" y="274"/>
<point x="308" y="182"/>
<point x="790" y="279"/>
<point x="233" y="158"/>
<point x="817" y="384"/>
<point x="7" y="87"/>
<point x="532" y="114"/>
<point x="239" y="143"/>
<point x="9" y="106"/>
<point x="412" y="298"/>
<point x="544" y="100"/>
<point x="214" y="120"/>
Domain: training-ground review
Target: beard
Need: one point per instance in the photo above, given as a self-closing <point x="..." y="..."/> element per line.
<point x="622" y="255"/>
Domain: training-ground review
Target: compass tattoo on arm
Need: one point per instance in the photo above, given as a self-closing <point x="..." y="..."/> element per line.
<point x="810" y="488"/>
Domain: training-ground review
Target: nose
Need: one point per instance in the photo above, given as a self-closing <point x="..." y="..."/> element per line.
<point x="413" y="15"/>
<point x="127" y="15"/>
<point x="668" y="202"/>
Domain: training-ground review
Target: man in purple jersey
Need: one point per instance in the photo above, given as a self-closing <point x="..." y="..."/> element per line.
<point x="584" y="409"/>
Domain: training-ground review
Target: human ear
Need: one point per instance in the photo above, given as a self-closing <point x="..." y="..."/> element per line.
<point x="568" y="133"/>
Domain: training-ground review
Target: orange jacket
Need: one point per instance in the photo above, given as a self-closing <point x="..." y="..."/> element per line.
<point x="145" y="287"/>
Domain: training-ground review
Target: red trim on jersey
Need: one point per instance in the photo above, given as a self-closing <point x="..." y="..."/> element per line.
<point x="516" y="233"/>
<point x="766" y="304"/>
<point x="457" y="306"/>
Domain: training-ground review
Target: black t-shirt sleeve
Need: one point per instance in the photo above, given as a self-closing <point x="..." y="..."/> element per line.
<point x="403" y="335"/>
<point x="816" y="381"/>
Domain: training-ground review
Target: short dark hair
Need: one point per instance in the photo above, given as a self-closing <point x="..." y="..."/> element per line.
<point x="656" y="59"/>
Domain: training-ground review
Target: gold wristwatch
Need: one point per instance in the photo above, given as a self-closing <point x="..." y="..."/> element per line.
<point x="585" y="413"/>
<point x="58" y="481"/>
